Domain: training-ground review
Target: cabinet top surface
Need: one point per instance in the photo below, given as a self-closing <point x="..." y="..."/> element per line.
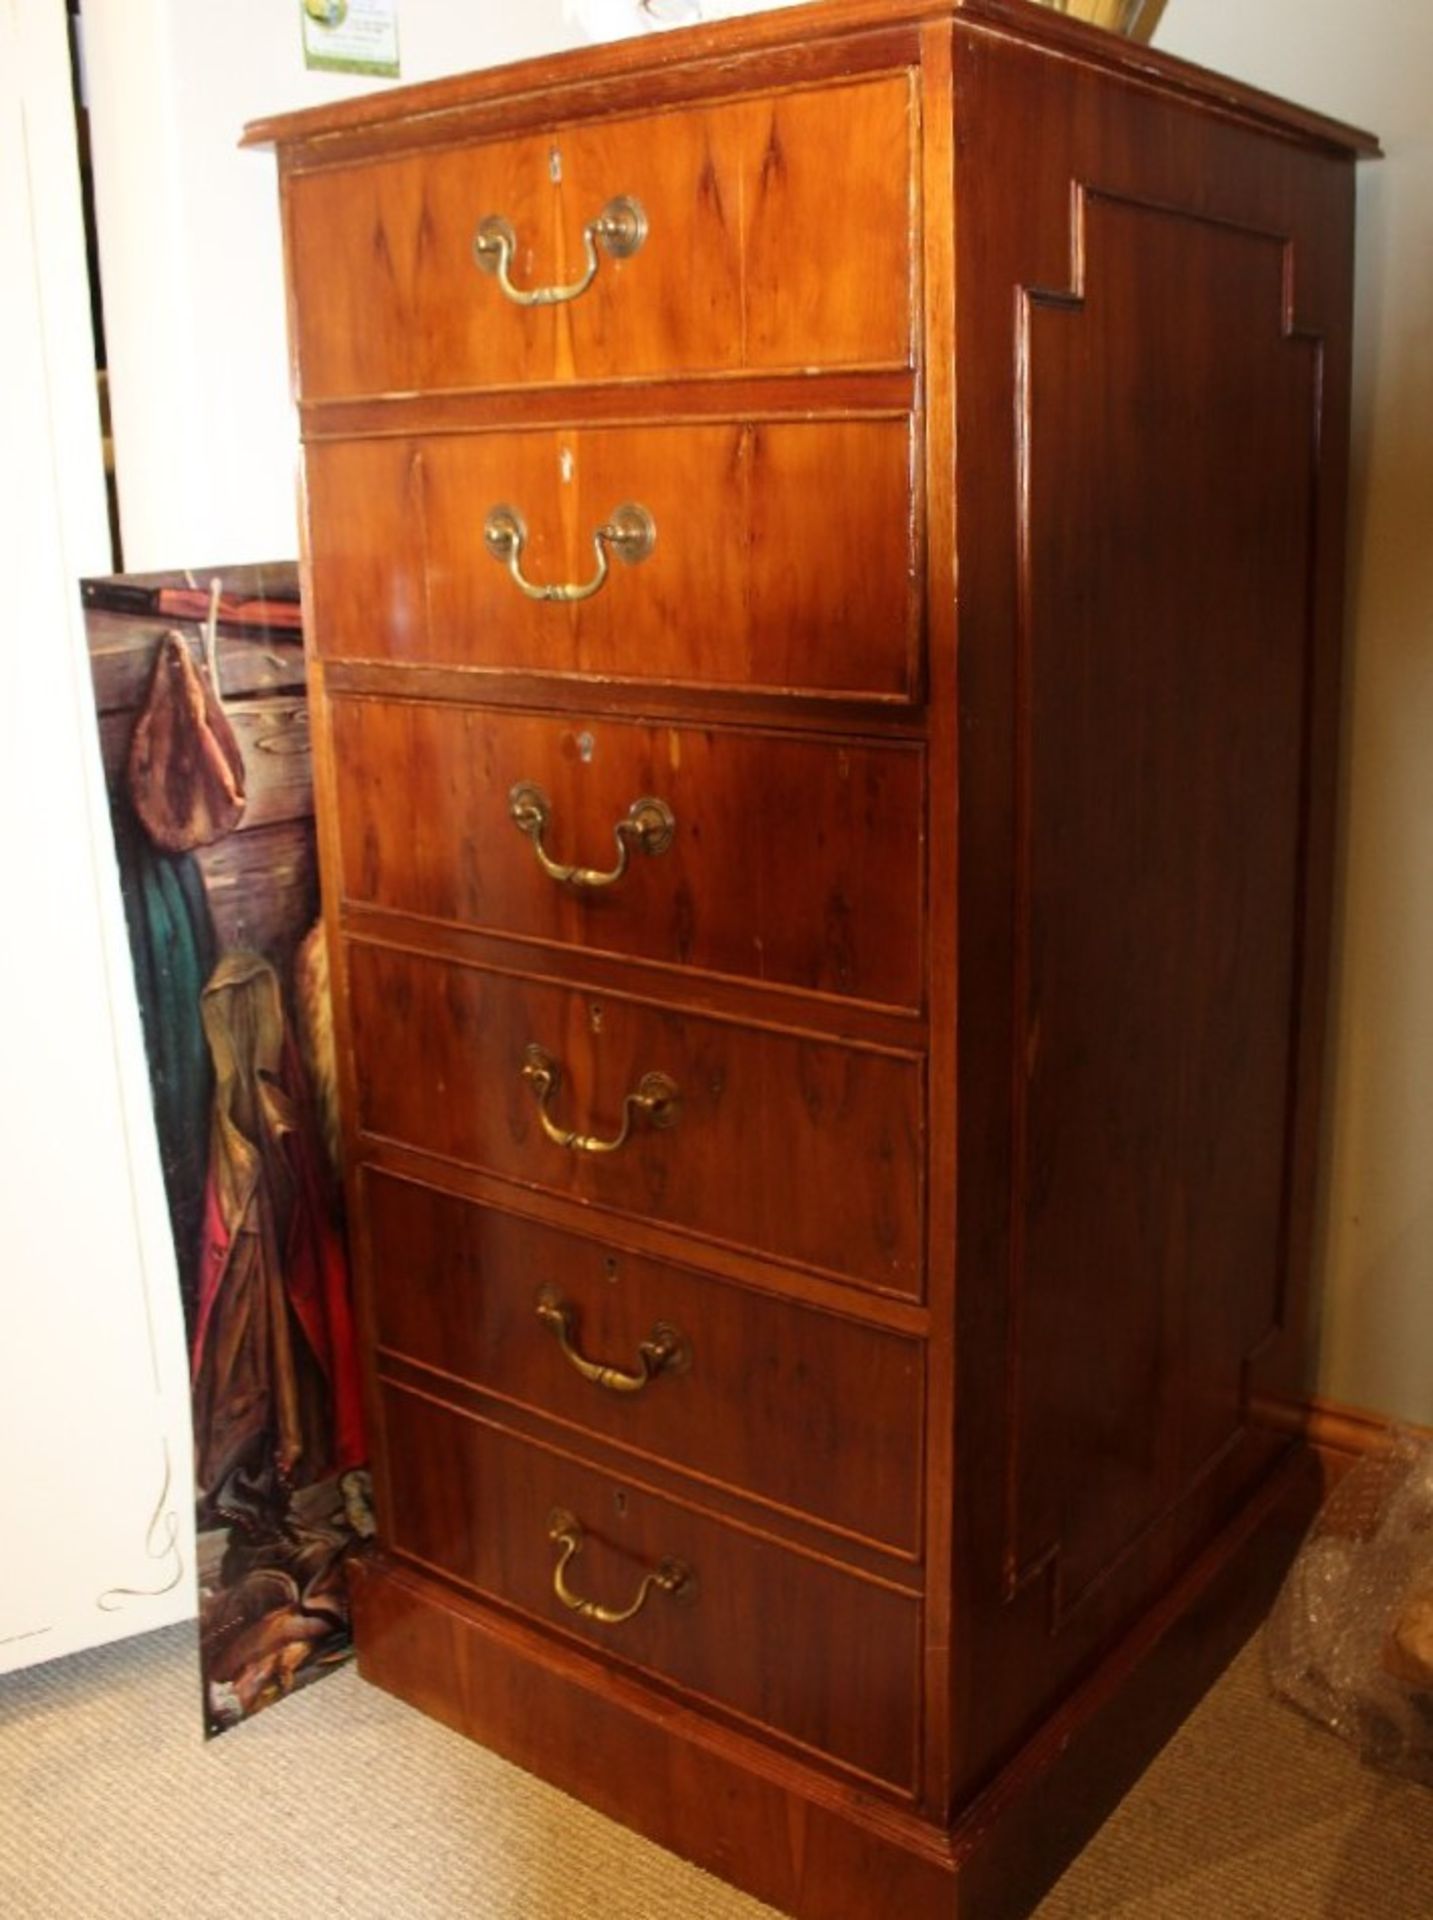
<point x="567" y="82"/>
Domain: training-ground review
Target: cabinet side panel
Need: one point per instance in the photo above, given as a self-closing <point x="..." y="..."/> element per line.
<point x="1152" y="395"/>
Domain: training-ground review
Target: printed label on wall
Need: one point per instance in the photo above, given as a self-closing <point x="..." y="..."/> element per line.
<point x="351" y="36"/>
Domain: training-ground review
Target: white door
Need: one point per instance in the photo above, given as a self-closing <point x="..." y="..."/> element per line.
<point x="95" y="1492"/>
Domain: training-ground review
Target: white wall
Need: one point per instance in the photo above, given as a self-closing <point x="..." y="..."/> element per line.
<point x="189" y="248"/>
<point x="189" y="240"/>
<point x="94" y="1424"/>
<point x="1372" y="63"/>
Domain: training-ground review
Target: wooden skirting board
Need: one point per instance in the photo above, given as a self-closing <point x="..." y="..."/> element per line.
<point x="1339" y="1435"/>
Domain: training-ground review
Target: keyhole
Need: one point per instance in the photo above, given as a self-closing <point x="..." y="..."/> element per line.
<point x="554" y="166"/>
<point x="619" y="1504"/>
<point x="609" y="1267"/>
<point x="594" y="1014"/>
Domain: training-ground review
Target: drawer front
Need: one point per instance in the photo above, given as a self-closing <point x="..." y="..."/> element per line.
<point x="783" y="553"/>
<point x="792" y="860"/>
<point x="799" y="1645"/>
<point x="802" y="1149"/>
<point x="800" y="1408"/>
<point x="777" y="237"/>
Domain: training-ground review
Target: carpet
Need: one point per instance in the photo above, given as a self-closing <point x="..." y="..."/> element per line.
<point x="344" y="1804"/>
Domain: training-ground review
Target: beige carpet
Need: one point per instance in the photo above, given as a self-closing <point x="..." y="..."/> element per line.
<point x="344" y="1804"/>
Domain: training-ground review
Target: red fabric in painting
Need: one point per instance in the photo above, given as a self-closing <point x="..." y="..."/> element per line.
<point x="273" y="1362"/>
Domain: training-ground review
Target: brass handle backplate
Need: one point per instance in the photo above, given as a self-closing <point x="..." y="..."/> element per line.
<point x="655" y="1098"/>
<point x="649" y="827"/>
<point x="631" y="534"/>
<point x="672" y="1577"/>
<point x="619" y="230"/>
<point x="663" y="1351"/>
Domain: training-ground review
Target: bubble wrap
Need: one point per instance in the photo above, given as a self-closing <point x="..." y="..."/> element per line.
<point x="1350" y="1640"/>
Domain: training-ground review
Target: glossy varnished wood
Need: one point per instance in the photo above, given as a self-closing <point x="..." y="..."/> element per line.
<point x="763" y="1114"/>
<point x="792" y="861"/>
<point x="836" y="38"/>
<point x="716" y="286"/>
<point x="1034" y="1107"/>
<point x="765" y="1399"/>
<point x="791" y="1834"/>
<point x="812" y="395"/>
<point x="788" y="1831"/>
<point x="584" y="694"/>
<point x="649" y="1239"/>
<point x="1150" y="482"/>
<point x="473" y="1502"/>
<point x="1163" y="770"/>
<point x="784" y="553"/>
<point x="749" y="1003"/>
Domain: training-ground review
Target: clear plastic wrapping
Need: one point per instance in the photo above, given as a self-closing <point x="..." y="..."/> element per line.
<point x="1350" y="1640"/>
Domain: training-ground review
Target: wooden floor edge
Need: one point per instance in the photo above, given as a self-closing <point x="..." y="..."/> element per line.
<point x="806" y="1845"/>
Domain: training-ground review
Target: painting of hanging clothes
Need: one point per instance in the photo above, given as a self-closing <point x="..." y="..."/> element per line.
<point x="199" y="690"/>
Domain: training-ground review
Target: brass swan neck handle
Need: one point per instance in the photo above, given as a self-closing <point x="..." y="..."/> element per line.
<point x="619" y="230"/>
<point x="655" y="1098"/>
<point x="565" y="1531"/>
<point x="630" y="533"/>
<point x="663" y="1351"/>
<point x="649" y="828"/>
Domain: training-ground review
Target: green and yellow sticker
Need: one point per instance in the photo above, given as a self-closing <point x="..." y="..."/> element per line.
<point x="351" y="36"/>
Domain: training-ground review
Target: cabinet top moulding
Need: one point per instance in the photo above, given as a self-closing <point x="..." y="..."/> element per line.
<point x="770" y="51"/>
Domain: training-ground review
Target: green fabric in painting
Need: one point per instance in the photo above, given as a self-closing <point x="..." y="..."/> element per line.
<point x="172" y="945"/>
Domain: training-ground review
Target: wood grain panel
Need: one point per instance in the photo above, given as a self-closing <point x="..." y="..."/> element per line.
<point x="793" y="861"/>
<point x="1148" y="734"/>
<point x="262" y="888"/>
<point x="125" y="645"/>
<point x="805" y="1410"/>
<point x="1144" y="471"/>
<point x="784" y="557"/>
<point x="800" y="1149"/>
<point x="716" y="287"/>
<point x="473" y="1502"/>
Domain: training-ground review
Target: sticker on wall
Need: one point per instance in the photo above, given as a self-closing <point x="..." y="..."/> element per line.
<point x="351" y="36"/>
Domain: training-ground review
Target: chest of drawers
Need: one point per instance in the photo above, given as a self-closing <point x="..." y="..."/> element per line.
<point x="823" y="556"/>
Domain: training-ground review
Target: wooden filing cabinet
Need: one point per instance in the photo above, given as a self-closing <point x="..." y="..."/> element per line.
<point x="823" y="553"/>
